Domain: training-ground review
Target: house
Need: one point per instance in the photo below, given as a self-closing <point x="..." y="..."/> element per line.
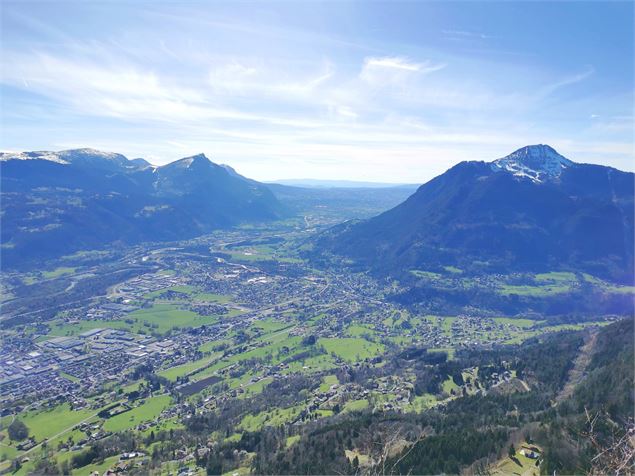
<point x="529" y="453"/>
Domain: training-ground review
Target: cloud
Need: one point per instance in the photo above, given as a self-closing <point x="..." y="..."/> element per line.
<point x="395" y="62"/>
<point x="567" y="81"/>
<point x="464" y="35"/>
<point x="393" y="75"/>
<point x="398" y="64"/>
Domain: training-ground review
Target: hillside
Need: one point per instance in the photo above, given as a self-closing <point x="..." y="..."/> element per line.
<point x="533" y="210"/>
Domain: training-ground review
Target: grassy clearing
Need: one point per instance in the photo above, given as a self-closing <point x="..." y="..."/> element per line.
<point x="319" y="363"/>
<point x="515" y="322"/>
<point x="274" y="417"/>
<point x="534" y="291"/>
<point x="449" y="385"/>
<point x="327" y="381"/>
<point x="291" y="440"/>
<point x="521" y="465"/>
<point x="270" y="325"/>
<point x="57" y="272"/>
<point x="48" y="423"/>
<point x="453" y="270"/>
<point x="160" y="319"/>
<point x="257" y="387"/>
<point x="190" y="367"/>
<point x="359" y="330"/>
<point x="426" y="274"/>
<point x="148" y="410"/>
<point x="557" y="276"/>
<point x="355" y="405"/>
<point x="351" y="348"/>
<point x="421" y="403"/>
<point x="214" y="345"/>
<point x="98" y="467"/>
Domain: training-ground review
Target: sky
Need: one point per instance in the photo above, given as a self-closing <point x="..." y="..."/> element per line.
<point x="371" y="91"/>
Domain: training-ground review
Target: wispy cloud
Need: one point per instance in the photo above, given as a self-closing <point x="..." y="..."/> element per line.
<point x="465" y="34"/>
<point x="567" y="81"/>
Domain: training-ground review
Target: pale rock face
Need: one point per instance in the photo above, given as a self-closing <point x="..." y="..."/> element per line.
<point x="538" y="163"/>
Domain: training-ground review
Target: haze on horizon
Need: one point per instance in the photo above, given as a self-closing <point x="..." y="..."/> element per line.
<point x="352" y="91"/>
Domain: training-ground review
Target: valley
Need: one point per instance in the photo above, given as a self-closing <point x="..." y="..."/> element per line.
<point x="237" y="323"/>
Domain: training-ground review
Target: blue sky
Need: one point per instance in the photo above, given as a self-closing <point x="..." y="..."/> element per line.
<point x="373" y="91"/>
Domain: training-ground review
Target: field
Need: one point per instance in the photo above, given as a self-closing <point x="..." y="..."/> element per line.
<point x="57" y="272"/>
<point x="272" y="418"/>
<point x="148" y="410"/>
<point x="187" y="368"/>
<point x="351" y="349"/>
<point x="519" y="465"/>
<point x="355" y="405"/>
<point x="160" y="319"/>
<point x="48" y="423"/>
<point x="327" y="382"/>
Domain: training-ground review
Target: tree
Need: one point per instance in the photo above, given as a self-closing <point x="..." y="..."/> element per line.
<point x="512" y="451"/>
<point x="18" y="430"/>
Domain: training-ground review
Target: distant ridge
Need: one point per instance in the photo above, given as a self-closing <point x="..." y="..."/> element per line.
<point x="56" y="203"/>
<point x="317" y="183"/>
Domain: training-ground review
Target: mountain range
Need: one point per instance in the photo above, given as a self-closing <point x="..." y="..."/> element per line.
<point x="321" y="184"/>
<point x="55" y="203"/>
<point x="531" y="210"/>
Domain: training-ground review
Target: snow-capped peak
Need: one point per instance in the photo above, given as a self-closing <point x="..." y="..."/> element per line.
<point x="40" y="155"/>
<point x="66" y="157"/>
<point x="535" y="162"/>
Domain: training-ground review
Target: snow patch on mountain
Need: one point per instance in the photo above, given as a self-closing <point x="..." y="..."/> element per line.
<point x="42" y="155"/>
<point x="534" y="162"/>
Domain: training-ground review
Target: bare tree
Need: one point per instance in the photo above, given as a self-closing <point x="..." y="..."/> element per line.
<point x="614" y="455"/>
<point x="386" y="448"/>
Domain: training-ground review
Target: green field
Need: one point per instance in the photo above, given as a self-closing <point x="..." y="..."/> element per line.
<point x="98" y="467"/>
<point x="426" y="274"/>
<point x="274" y="417"/>
<point x="148" y="410"/>
<point x="270" y="325"/>
<point x="213" y="345"/>
<point x="351" y="349"/>
<point x="358" y="330"/>
<point x="453" y="269"/>
<point x="187" y="368"/>
<point x="327" y="381"/>
<point x="291" y="440"/>
<point x="160" y="319"/>
<point x="48" y="423"/>
<point x="258" y="386"/>
<point x="515" y="322"/>
<point x="534" y="291"/>
<point x="422" y="402"/>
<point x="57" y="272"/>
<point x="355" y="405"/>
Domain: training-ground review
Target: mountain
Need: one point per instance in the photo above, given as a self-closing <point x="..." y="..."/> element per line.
<point x="317" y="183"/>
<point x="56" y="203"/>
<point x="531" y="210"/>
